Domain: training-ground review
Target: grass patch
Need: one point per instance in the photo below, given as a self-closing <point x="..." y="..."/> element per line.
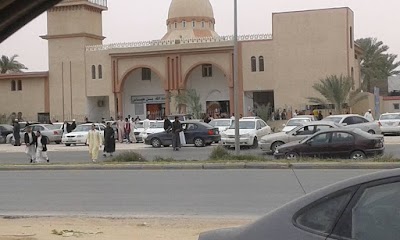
<point x="222" y="154"/>
<point x="159" y="159"/>
<point x="128" y="157"/>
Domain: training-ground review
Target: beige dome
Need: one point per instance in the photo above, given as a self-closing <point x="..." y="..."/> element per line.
<point x="190" y="8"/>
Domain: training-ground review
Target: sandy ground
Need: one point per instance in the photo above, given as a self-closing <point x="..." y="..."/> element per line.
<point x="106" y="229"/>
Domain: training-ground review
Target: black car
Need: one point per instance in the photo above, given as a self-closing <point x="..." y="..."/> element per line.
<point x="362" y="208"/>
<point x="5" y="129"/>
<point x="343" y="143"/>
<point x="198" y="133"/>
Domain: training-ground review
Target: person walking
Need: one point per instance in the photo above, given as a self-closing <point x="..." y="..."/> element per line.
<point x="109" y="140"/>
<point x="41" y="148"/>
<point x="94" y="141"/>
<point x="368" y="115"/>
<point x="167" y="124"/>
<point x="176" y="129"/>
<point x="120" y="127"/>
<point x="30" y="142"/>
<point x="16" y="133"/>
<point x="127" y="130"/>
<point x="132" y="136"/>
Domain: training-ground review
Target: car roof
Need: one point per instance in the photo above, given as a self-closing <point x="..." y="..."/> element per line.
<point x="396" y="113"/>
<point x="344" y="115"/>
<point x="319" y="123"/>
<point x="304" y="116"/>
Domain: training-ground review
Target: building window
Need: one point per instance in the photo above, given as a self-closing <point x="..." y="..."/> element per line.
<point x="351" y="37"/>
<point x="352" y="78"/>
<point x="203" y="24"/>
<point x="93" y="72"/>
<point x="146" y="74"/>
<point x="13" y="85"/>
<point x="194" y="23"/>
<point x="253" y="64"/>
<point x="184" y="24"/>
<point x="396" y="106"/>
<point x="207" y="70"/>
<point x="261" y="63"/>
<point x="100" y="69"/>
<point x="176" y="25"/>
<point x="19" y="85"/>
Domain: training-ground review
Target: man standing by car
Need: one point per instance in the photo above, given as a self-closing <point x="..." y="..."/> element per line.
<point x="66" y="127"/>
<point x="176" y="129"/>
<point x="368" y="115"/>
<point x="73" y="125"/>
<point x="16" y="132"/>
<point x="167" y="124"/>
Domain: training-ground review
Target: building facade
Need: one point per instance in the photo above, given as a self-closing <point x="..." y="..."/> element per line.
<point x="89" y="79"/>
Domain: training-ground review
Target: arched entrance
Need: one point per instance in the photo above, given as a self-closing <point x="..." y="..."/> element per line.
<point x="212" y="84"/>
<point x="143" y="94"/>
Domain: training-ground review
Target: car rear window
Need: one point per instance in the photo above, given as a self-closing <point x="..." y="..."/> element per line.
<point x="390" y="117"/>
<point x="51" y="127"/>
<point x="297" y="122"/>
<point x="333" y="119"/>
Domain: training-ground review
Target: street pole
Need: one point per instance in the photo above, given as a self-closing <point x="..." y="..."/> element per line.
<point x="236" y="79"/>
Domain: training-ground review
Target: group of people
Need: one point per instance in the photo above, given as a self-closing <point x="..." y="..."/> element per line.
<point x="176" y="130"/>
<point x="95" y="141"/>
<point x="126" y="127"/>
<point x="36" y="146"/>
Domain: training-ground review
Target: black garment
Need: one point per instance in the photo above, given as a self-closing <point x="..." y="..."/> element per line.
<point x="320" y="117"/>
<point x="72" y="127"/>
<point x="207" y="120"/>
<point x="68" y="130"/>
<point x="109" y="140"/>
<point x="44" y="143"/>
<point x="176" y="129"/>
<point x="16" y="133"/>
<point x="167" y="125"/>
<point x="26" y="138"/>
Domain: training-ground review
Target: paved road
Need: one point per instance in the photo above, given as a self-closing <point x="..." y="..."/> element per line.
<point x="245" y="193"/>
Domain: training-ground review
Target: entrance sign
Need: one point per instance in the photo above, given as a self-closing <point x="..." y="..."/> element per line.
<point x="148" y="99"/>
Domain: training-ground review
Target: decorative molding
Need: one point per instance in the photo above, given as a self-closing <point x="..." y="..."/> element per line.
<point x="252" y="37"/>
<point x="24" y="75"/>
<point x="190" y="19"/>
<point x="73" y="35"/>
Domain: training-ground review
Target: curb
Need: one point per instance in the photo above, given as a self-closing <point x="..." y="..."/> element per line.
<point x="201" y="166"/>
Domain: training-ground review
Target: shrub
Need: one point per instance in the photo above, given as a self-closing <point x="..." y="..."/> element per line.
<point x="161" y="159"/>
<point x="220" y="153"/>
<point x="128" y="157"/>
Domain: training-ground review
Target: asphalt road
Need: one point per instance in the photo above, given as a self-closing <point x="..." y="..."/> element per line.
<point x="69" y="155"/>
<point x="218" y="193"/>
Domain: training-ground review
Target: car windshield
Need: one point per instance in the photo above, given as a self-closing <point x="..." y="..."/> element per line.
<point x="333" y="119"/>
<point x="83" y="128"/>
<point x="51" y="127"/>
<point x="390" y="117"/>
<point x="7" y="127"/>
<point x="157" y="125"/>
<point x="220" y="123"/>
<point x="139" y="125"/>
<point x="245" y="125"/>
<point x="297" y="122"/>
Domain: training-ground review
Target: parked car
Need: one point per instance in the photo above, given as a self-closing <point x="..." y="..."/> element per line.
<point x="364" y="208"/>
<point x="390" y="123"/>
<point x="271" y="142"/>
<point x="79" y="135"/>
<point x="356" y="121"/>
<point x="336" y="143"/>
<point x="139" y="128"/>
<point x="251" y="130"/>
<point x="155" y="127"/>
<point x="198" y="133"/>
<point x="295" y="122"/>
<point x="182" y="117"/>
<point x="5" y="129"/>
<point x="51" y="132"/>
<point x="222" y="124"/>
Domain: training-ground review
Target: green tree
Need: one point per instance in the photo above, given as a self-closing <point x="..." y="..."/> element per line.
<point x="337" y="90"/>
<point x="376" y="63"/>
<point x="10" y="65"/>
<point x="192" y="100"/>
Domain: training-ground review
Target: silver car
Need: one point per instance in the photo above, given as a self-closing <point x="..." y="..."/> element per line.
<point x="269" y="143"/>
<point x="390" y="123"/>
<point x="362" y="208"/>
<point x="356" y="121"/>
<point x="51" y="132"/>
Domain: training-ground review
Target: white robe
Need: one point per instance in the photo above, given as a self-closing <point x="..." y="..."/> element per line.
<point x="94" y="141"/>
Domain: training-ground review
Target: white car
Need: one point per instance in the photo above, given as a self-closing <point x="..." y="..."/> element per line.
<point x="295" y="122"/>
<point x="390" y="123"/>
<point x="222" y="124"/>
<point x="251" y="130"/>
<point x="356" y="121"/>
<point x="155" y="127"/>
<point x="139" y="128"/>
<point x="79" y="135"/>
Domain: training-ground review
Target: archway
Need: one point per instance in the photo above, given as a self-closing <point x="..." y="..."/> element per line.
<point x="143" y="93"/>
<point x="212" y="84"/>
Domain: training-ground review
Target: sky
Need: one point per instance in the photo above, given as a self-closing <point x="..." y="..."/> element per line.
<point x="134" y="20"/>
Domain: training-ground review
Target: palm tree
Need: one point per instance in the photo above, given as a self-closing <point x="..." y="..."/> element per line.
<point x="376" y="64"/>
<point x="192" y="100"/>
<point x="337" y="90"/>
<point x="10" y="65"/>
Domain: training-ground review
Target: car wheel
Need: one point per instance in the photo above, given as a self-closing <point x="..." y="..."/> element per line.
<point x="292" y="156"/>
<point x="156" y="143"/>
<point x="275" y="145"/>
<point x="255" y="143"/>
<point x="371" y="132"/>
<point x="358" y="155"/>
<point x="67" y="144"/>
<point x="198" y="142"/>
<point x="58" y="142"/>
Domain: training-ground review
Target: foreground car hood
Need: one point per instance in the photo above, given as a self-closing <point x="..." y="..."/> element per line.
<point x="289" y="145"/>
<point x="241" y="131"/>
<point x="222" y="234"/>
<point x="288" y="128"/>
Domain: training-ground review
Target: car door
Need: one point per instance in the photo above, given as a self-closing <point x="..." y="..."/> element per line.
<point x="301" y="133"/>
<point x="191" y="132"/>
<point x="342" y="144"/>
<point x="319" y="145"/>
<point x="373" y="213"/>
<point x="259" y="130"/>
<point x="265" y="128"/>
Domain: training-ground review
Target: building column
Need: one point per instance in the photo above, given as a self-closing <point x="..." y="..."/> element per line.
<point x="167" y="103"/>
<point x="120" y="104"/>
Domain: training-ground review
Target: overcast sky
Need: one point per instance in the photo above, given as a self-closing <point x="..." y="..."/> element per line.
<point x="134" y="20"/>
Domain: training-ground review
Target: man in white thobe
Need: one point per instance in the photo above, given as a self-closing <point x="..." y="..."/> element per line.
<point x="94" y="141"/>
<point x="132" y="136"/>
<point x="41" y="148"/>
<point x="368" y="115"/>
<point x="121" y="130"/>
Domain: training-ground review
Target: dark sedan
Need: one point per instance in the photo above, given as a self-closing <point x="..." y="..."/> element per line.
<point x="342" y="143"/>
<point x="5" y="129"/>
<point x="363" y="208"/>
<point x="198" y="133"/>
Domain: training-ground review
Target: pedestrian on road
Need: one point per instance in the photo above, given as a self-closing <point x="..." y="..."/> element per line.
<point x="127" y="130"/>
<point x="368" y="115"/>
<point x="94" y="141"/>
<point x="176" y="129"/>
<point x="109" y="140"/>
<point x="167" y="124"/>
<point x="30" y="142"/>
<point x="41" y="148"/>
<point x="16" y="133"/>
<point x="120" y="126"/>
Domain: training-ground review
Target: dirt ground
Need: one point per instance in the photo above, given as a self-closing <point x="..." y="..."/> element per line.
<point x="52" y="228"/>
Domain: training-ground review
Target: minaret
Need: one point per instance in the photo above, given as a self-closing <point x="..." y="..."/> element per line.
<point x="71" y="26"/>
